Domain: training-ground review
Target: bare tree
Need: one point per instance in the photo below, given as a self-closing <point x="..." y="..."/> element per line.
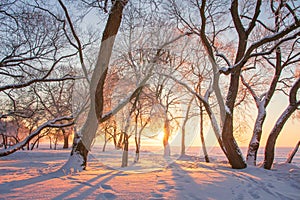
<point x="33" y="49"/>
<point x="294" y="103"/>
<point x="244" y="23"/>
<point x="83" y="139"/>
<point x="279" y="61"/>
<point x="56" y="99"/>
<point x="51" y="123"/>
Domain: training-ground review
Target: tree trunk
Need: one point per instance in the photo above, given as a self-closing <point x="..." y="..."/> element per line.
<point x="55" y="142"/>
<point x="137" y="148"/>
<point x="214" y="124"/>
<point x="50" y="143"/>
<point x="120" y="142"/>
<point x="66" y="139"/>
<point x="292" y="153"/>
<point x="257" y="132"/>
<point x="83" y="140"/>
<point x="270" y="146"/>
<point x="105" y="141"/>
<point x="35" y="143"/>
<point x="293" y="105"/>
<point x="167" y="150"/>
<point x="234" y="154"/>
<point x="4" y="141"/>
<point x="38" y="143"/>
<point x="115" y="135"/>
<point x="137" y="139"/>
<point x="125" y="151"/>
<point x="183" y="126"/>
<point x="78" y="155"/>
<point x="183" y="140"/>
<point x="202" y="135"/>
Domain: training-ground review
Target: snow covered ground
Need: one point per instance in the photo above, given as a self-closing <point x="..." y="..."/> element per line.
<point x="35" y="175"/>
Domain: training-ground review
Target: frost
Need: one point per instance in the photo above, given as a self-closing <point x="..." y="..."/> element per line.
<point x="227" y="110"/>
<point x="225" y="70"/>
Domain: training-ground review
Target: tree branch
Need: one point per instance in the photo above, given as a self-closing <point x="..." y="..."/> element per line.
<point x="48" y="124"/>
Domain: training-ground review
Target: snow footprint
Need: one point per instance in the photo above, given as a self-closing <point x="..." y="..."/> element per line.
<point x="156" y="196"/>
<point x="106" y="187"/>
<point x="109" y="194"/>
<point x="166" y="188"/>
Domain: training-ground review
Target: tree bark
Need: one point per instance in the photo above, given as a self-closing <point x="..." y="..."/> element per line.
<point x="293" y="105"/>
<point x="255" y="140"/>
<point x="270" y="146"/>
<point x="66" y="139"/>
<point x="125" y="151"/>
<point x="234" y="153"/>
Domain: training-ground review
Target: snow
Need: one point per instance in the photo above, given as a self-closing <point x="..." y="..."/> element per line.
<point x="227" y="110"/>
<point x="36" y="175"/>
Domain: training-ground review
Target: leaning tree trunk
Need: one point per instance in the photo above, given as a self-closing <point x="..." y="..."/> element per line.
<point x="294" y="103"/>
<point x="261" y="104"/>
<point x="292" y="153"/>
<point x="270" y="146"/>
<point x="84" y="138"/>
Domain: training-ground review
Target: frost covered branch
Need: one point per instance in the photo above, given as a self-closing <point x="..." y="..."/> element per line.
<point x="48" y="124"/>
<point x="22" y="85"/>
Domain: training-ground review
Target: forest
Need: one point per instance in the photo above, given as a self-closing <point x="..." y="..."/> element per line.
<point x="123" y="71"/>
